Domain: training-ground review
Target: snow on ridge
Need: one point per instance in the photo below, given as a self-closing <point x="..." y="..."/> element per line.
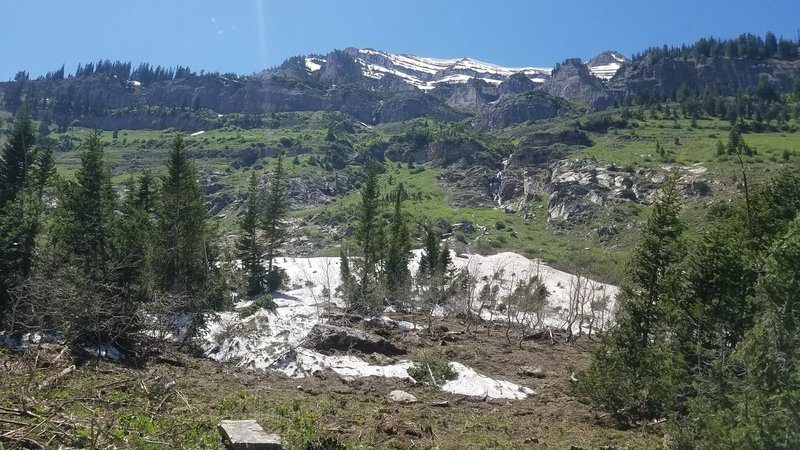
<point x="606" y="64"/>
<point x="425" y="73"/>
<point x="484" y="67"/>
<point x="605" y="71"/>
<point x="314" y="64"/>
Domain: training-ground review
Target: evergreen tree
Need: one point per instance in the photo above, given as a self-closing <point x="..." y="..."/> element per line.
<point x="434" y="272"/>
<point x="750" y="391"/>
<point x="134" y="243"/>
<point x="443" y="266"/>
<point x="144" y="196"/>
<point x="736" y="144"/>
<point x="431" y="256"/>
<point x="635" y="369"/>
<point x="399" y="250"/>
<point x="89" y="211"/>
<point x="248" y="245"/>
<point x="103" y="264"/>
<point x="184" y="229"/>
<point x="369" y="236"/>
<point x="273" y="222"/>
<point x="18" y="155"/>
<point x="20" y="225"/>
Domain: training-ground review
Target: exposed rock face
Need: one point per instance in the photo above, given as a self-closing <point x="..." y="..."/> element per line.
<point x="473" y="95"/>
<point x="341" y="68"/>
<point x="450" y="151"/>
<point x="329" y="337"/>
<point x="573" y="81"/>
<point x="471" y="186"/>
<point x="409" y="105"/>
<point x="579" y="189"/>
<point x="725" y="75"/>
<point x="515" y="110"/>
<point x="516" y="84"/>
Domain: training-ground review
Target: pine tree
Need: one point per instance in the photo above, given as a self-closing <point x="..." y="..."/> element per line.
<point x="89" y="210"/>
<point x="430" y="258"/>
<point x="185" y="240"/>
<point x="348" y="289"/>
<point x="134" y="244"/>
<point x="397" y="273"/>
<point x="183" y="222"/>
<point x="18" y="155"/>
<point x="144" y="196"/>
<point x="434" y="271"/>
<point x="635" y="369"/>
<point x="248" y="245"/>
<point x="273" y="223"/>
<point x="443" y="266"/>
<point x="102" y="269"/>
<point x="369" y="236"/>
<point x="20" y="225"/>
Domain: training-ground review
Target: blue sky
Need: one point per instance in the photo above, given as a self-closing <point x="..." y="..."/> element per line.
<point x="245" y="36"/>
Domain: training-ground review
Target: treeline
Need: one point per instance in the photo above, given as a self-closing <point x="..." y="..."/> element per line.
<point x="144" y="72"/>
<point x="746" y="46"/>
<point x="93" y="268"/>
<point x="762" y="105"/>
<point x="707" y="335"/>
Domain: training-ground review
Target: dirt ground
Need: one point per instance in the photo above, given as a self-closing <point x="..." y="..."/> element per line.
<point x="107" y="405"/>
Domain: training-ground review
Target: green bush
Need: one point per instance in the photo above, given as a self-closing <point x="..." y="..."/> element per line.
<point x="263" y="302"/>
<point x="431" y="362"/>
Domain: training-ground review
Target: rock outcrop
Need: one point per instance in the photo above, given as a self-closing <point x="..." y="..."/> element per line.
<point x="533" y="105"/>
<point x="573" y="81"/>
<point x="578" y="189"/>
<point x="724" y="75"/>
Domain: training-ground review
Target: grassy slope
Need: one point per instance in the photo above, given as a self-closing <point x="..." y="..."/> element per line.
<point x="130" y="407"/>
<point x="634" y="146"/>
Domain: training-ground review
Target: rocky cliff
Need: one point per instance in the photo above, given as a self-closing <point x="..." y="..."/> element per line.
<point x="725" y="75"/>
<point x="534" y="105"/>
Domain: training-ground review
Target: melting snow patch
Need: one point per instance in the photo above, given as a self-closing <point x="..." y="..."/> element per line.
<point x="29" y="340"/>
<point x="304" y="362"/>
<point x="401" y="324"/>
<point x="108" y="352"/>
<point x="468" y="382"/>
<point x="198" y="133"/>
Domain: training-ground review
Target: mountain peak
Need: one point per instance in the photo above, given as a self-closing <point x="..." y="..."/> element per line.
<point x="427" y="73"/>
<point x="606" y="64"/>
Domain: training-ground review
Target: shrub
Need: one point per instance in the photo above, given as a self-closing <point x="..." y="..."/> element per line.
<point x="431" y="363"/>
<point x="276" y="279"/>
<point x="263" y="302"/>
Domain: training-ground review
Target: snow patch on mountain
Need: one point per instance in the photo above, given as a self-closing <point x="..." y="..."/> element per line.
<point x="426" y="73"/>
<point x="314" y="64"/>
<point x="606" y="64"/>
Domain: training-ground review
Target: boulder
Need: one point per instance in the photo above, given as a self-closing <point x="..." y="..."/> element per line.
<point x="247" y="435"/>
<point x="399" y="396"/>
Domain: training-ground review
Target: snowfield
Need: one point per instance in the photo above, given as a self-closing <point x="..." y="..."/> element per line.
<point x="606" y="71"/>
<point x="427" y="73"/>
<point x="275" y="340"/>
